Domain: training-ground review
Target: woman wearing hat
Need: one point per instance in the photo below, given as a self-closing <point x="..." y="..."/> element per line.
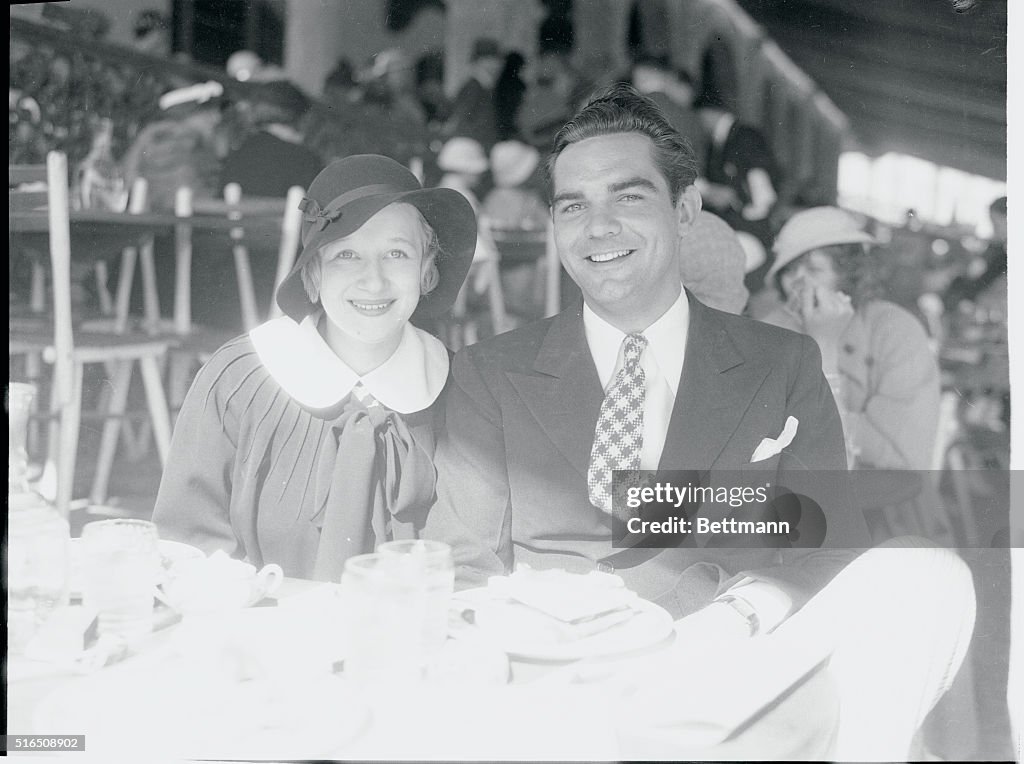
<point x="310" y="439"/>
<point x="875" y="354"/>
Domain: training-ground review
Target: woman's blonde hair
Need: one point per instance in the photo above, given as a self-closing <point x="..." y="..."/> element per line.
<point x="312" y="274"/>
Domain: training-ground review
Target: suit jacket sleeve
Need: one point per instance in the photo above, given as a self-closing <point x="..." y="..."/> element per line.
<point x="473" y="508"/>
<point x="193" y="503"/>
<point x="814" y="464"/>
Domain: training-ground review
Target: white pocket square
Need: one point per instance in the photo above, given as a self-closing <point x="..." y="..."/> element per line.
<point x="768" y="447"/>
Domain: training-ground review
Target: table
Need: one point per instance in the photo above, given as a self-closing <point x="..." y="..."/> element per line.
<point x="100" y="235"/>
<point x="590" y="710"/>
<point x="88" y="223"/>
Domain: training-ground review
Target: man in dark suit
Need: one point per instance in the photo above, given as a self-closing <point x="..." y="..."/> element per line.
<point x="532" y="430"/>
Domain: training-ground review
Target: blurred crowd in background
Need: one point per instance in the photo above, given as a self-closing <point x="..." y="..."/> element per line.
<point x="116" y="120"/>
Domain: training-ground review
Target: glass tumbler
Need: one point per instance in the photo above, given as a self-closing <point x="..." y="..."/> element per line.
<point x="390" y="617"/>
<point x="429" y="563"/>
<point x="120" y="571"/>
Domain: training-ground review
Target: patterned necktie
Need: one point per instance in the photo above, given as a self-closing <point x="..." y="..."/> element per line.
<point x="619" y="435"/>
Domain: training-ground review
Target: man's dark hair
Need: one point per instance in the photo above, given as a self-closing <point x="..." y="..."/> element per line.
<point x="621" y="109"/>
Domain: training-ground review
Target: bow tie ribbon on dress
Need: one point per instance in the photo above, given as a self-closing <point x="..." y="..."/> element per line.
<point x="372" y="487"/>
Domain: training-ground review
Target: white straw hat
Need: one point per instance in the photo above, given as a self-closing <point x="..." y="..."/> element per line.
<point x="512" y="162"/>
<point x="199" y="93"/>
<point x="463" y="155"/>
<point x="812" y="229"/>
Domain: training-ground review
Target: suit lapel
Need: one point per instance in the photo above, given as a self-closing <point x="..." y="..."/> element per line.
<point x="715" y="390"/>
<point x="564" y="394"/>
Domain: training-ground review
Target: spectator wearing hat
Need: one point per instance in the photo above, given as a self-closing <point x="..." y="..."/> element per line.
<point x="311" y="438"/>
<point x="274" y="158"/>
<point x="463" y="162"/>
<point x="711" y="264"/>
<point x="875" y="355"/>
<point x="178" y="149"/>
<point x="512" y="203"/>
<point x="473" y="113"/>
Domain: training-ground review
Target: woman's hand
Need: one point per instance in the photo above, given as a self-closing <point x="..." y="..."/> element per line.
<point x="825" y="314"/>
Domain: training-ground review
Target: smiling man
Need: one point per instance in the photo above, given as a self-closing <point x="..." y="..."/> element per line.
<point x="641" y="375"/>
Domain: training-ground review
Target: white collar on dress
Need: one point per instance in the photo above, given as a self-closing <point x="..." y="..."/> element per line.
<point x="666" y="339"/>
<point x="306" y="368"/>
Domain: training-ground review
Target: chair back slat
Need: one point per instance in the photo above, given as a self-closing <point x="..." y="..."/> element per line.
<point x="291" y="227"/>
<point x="234" y="203"/>
<point x="60" y="260"/>
<point x="183" y="200"/>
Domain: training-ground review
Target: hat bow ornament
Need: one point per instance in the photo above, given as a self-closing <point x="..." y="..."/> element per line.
<point x="316" y="215"/>
<point x="320" y="217"/>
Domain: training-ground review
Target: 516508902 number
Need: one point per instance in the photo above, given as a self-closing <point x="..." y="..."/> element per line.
<point x="44" y="743"/>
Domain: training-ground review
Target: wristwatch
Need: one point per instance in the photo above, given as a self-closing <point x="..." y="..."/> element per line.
<point x="745" y="610"/>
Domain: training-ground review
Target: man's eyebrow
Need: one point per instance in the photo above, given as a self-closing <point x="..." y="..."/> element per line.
<point x="566" y="196"/>
<point x="638" y="182"/>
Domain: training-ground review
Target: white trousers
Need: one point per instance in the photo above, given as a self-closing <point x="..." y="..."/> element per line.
<point x="900" y="619"/>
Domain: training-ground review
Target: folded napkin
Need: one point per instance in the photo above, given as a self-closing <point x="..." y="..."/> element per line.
<point x="554" y="606"/>
<point x="570" y="597"/>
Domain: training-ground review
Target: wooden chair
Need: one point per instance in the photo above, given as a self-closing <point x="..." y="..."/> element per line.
<point x="69" y="351"/>
<point x="195" y="344"/>
<point x="483" y="281"/>
<point x="534" y="246"/>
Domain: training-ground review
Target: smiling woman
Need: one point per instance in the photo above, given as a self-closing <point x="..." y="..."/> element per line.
<point x="311" y="439"/>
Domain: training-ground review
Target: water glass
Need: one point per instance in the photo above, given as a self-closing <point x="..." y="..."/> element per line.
<point x="120" y="571"/>
<point x="429" y="562"/>
<point x="396" y="610"/>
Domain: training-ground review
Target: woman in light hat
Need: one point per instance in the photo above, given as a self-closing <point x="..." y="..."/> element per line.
<point x="310" y="439"/>
<point x="875" y="354"/>
<point x="512" y="203"/>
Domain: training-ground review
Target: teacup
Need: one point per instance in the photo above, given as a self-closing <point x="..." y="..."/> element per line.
<point x="217" y="584"/>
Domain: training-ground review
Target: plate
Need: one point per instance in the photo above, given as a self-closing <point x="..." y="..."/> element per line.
<point x="516" y="629"/>
<point x="170" y="553"/>
<point x="173" y="551"/>
<point x="225" y="689"/>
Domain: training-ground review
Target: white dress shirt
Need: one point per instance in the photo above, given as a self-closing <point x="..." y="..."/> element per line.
<point x="662" y="362"/>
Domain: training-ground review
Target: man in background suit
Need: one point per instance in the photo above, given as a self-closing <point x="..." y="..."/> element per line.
<point x="519" y="475"/>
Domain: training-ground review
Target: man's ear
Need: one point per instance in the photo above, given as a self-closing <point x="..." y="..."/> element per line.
<point x="688" y="206"/>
